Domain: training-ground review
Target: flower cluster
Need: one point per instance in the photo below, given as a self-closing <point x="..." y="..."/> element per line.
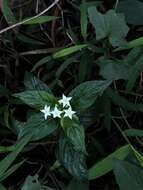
<point x="65" y="111"/>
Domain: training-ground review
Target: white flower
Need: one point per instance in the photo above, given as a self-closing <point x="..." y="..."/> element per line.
<point x="65" y="100"/>
<point x="46" y="111"/>
<point x="56" y="112"/>
<point x="69" y="112"/>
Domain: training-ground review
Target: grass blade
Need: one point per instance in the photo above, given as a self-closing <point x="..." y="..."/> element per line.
<point x="68" y="51"/>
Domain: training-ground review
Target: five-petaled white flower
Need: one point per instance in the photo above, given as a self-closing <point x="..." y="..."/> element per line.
<point x="69" y="112"/>
<point x="46" y="111"/>
<point x="56" y="112"/>
<point x="65" y="100"/>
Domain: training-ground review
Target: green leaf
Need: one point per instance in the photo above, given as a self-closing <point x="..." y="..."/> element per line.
<point x="106" y="165"/>
<point x="41" y="63"/>
<point x="67" y="51"/>
<point x="72" y="160"/>
<point x="37" y="126"/>
<point x="131" y="44"/>
<point x="77" y="137"/>
<point x="84" y="95"/>
<point x="75" y="133"/>
<point x="128" y="176"/>
<point x="33" y="83"/>
<point x="36" y="99"/>
<point x="40" y="20"/>
<point x="136" y="69"/>
<point x="83" y="19"/>
<point x="98" y="21"/>
<point x="134" y="132"/>
<point x="133" y="55"/>
<point x="9" y="159"/>
<point x="75" y="184"/>
<point x="8" y="14"/>
<point x="133" y="13"/>
<point x="7" y="148"/>
<point x="113" y="70"/>
<point x="11" y="170"/>
<point x="111" y="25"/>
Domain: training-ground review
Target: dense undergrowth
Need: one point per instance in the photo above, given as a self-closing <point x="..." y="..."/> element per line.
<point x="71" y="92"/>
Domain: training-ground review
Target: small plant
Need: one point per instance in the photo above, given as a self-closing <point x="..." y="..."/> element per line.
<point x="71" y="95"/>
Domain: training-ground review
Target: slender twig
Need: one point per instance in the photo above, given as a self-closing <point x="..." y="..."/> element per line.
<point x="30" y="19"/>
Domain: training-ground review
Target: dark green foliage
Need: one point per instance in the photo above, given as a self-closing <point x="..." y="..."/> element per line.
<point x="88" y="51"/>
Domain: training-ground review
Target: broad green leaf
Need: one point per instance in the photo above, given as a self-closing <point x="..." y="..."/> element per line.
<point x="123" y="102"/>
<point x="9" y="159"/>
<point x="37" y="126"/>
<point x="128" y="176"/>
<point x="132" y="10"/>
<point x="41" y="63"/>
<point x="113" y="70"/>
<point x="79" y="185"/>
<point x="40" y="20"/>
<point x="117" y="28"/>
<point x="106" y="165"/>
<point x="33" y="83"/>
<point x="68" y="51"/>
<point x="75" y="133"/>
<point x="110" y="25"/>
<point x="72" y="160"/>
<point x="134" y="72"/>
<point x="77" y="137"/>
<point x="83" y="18"/>
<point x="134" y="132"/>
<point x="98" y="21"/>
<point x="8" y="14"/>
<point x="131" y="44"/>
<point x="84" y="95"/>
<point x="36" y="99"/>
